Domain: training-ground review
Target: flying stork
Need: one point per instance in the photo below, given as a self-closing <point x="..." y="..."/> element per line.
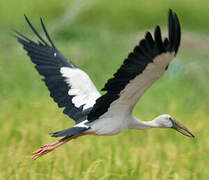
<point x="111" y="113"/>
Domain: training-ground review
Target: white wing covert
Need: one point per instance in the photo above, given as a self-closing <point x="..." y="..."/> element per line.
<point x="69" y="86"/>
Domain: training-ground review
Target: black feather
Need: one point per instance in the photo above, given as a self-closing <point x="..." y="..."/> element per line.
<point x="69" y="132"/>
<point x="137" y="61"/>
<point x="48" y="61"/>
<point x="34" y="30"/>
<point x="46" y="33"/>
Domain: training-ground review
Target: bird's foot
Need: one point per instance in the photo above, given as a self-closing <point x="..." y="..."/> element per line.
<point x="43" y="150"/>
<point x="49" y="147"/>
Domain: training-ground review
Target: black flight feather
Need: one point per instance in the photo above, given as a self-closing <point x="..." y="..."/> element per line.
<point x="135" y="64"/>
<point x="48" y="61"/>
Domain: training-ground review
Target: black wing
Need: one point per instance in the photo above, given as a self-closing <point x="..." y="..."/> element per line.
<point x="69" y="86"/>
<point x="140" y="70"/>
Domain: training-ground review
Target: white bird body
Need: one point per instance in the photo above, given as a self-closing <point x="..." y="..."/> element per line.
<point x="115" y="125"/>
<point x="109" y="126"/>
<point x="110" y="113"/>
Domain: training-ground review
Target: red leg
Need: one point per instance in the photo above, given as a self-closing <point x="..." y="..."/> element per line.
<point x="50" y="147"/>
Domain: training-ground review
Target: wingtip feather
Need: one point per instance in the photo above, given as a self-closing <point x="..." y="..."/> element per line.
<point x="46" y="33"/>
<point x="174" y="31"/>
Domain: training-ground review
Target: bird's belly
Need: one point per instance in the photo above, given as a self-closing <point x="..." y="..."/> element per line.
<point x="108" y="126"/>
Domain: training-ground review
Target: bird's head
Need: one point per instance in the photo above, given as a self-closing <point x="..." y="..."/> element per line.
<point x="166" y="121"/>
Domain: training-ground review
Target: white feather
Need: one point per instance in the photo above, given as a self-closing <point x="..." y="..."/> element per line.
<point x="81" y="87"/>
<point x="82" y="124"/>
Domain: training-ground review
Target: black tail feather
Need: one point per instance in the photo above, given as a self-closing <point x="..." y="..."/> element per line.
<point x="70" y="131"/>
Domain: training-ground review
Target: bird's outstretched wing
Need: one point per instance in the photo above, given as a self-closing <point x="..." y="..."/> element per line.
<point x="69" y="86"/>
<point x="146" y="64"/>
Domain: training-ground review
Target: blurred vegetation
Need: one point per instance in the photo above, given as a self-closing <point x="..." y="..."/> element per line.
<point x="97" y="36"/>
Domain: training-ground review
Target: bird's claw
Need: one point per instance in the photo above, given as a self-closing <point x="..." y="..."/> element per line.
<point x="41" y="151"/>
<point x="49" y="147"/>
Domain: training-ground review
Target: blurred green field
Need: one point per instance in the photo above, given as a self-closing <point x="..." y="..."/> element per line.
<point x="97" y="36"/>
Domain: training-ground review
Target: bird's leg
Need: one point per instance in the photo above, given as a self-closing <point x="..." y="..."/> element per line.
<point x="50" y="147"/>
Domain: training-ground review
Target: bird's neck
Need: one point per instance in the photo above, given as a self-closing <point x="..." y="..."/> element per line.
<point x="139" y="124"/>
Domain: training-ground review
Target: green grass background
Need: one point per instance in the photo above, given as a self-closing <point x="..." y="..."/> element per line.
<point x="97" y="36"/>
